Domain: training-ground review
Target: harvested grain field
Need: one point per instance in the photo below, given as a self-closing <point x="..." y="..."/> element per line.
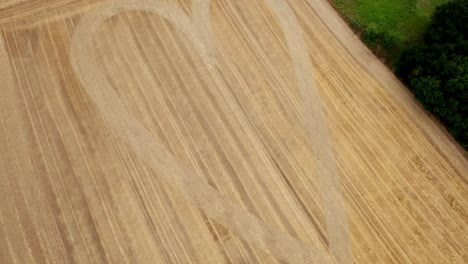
<point x="222" y="131"/>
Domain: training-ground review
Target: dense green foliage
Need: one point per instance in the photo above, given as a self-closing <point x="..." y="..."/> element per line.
<point x="437" y="70"/>
<point x="429" y="55"/>
<point x="388" y="26"/>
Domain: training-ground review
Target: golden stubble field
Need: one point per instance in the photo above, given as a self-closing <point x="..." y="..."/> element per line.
<point x="157" y="131"/>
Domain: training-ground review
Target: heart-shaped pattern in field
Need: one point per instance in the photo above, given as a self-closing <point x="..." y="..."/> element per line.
<point x="241" y="222"/>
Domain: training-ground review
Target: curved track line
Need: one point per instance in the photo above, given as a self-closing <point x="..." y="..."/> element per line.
<point x="241" y="222"/>
<point x="336" y="217"/>
<point x="202" y="22"/>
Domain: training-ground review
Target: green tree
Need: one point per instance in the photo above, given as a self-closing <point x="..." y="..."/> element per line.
<point x="437" y="70"/>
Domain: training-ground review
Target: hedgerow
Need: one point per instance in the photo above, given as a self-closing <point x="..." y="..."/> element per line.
<point x="437" y="70"/>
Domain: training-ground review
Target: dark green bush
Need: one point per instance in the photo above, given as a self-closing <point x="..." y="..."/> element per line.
<point x="437" y="70"/>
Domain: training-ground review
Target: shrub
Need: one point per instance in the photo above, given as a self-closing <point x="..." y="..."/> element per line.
<point x="437" y="70"/>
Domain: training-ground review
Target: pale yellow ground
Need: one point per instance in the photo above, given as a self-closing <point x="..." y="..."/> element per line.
<point x="73" y="190"/>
